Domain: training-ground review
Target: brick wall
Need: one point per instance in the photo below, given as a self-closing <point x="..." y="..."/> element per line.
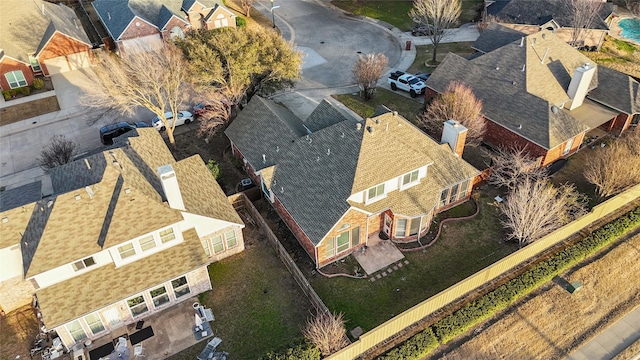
<point x="620" y="123"/>
<point x="303" y="239"/>
<point x="174" y="22"/>
<point x="375" y="224"/>
<point x="8" y="65"/>
<point x="60" y="45"/>
<point x="354" y="219"/>
<point x="143" y="29"/>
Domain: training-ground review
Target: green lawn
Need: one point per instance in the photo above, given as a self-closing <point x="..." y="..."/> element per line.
<point x="406" y="107"/>
<point x="424" y="53"/>
<point x="257" y="304"/>
<point x="395" y="12"/>
<point x="463" y="248"/>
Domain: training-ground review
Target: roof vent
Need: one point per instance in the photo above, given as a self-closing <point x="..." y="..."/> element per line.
<point x="513" y="82"/>
<point x="395" y="113"/>
<point x="49" y="203"/>
<point x="370" y="129"/>
<point x="277" y="148"/>
<point x="377" y="121"/>
<point x="86" y="162"/>
<point x="524" y="67"/>
<point x="5" y="219"/>
<point x="328" y="151"/>
<point x="318" y="158"/>
<point x="108" y="14"/>
<point x="127" y="191"/>
<point x="497" y="67"/>
<point x="264" y="158"/>
<point x="77" y="197"/>
<point x="281" y="189"/>
<point x="519" y="126"/>
<point x="544" y="36"/>
<point x="342" y="135"/>
<point x="533" y="41"/>
<point x="522" y="41"/>
<point x="358" y="126"/>
<point x="554" y="109"/>
<point x="89" y="191"/>
<point x="387" y="127"/>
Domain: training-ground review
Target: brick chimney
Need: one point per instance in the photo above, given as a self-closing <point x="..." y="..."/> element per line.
<point x="455" y="135"/>
<point x="579" y="85"/>
<point x="170" y="186"/>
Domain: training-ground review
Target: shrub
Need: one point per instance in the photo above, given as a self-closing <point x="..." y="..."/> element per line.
<point x="25" y="90"/>
<point x="214" y="167"/>
<point x="241" y="22"/>
<point x="38" y="83"/>
<point x="7" y="94"/>
<point x="484" y="307"/>
<point x="302" y="351"/>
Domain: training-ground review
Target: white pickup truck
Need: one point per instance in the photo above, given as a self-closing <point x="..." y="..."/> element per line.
<point x="407" y="82"/>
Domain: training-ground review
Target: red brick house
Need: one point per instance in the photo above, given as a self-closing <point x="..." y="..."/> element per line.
<point x="540" y="93"/>
<point x="337" y="180"/>
<point x="39" y="38"/>
<point x="145" y="24"/>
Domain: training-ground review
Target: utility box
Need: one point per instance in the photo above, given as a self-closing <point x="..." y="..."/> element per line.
<point x="408" y="45"/>
<point x="574" y="286"/>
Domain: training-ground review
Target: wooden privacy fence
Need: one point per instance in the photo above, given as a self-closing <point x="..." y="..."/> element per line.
<point x="395" y="325"/>
<point x="241" y="202"/>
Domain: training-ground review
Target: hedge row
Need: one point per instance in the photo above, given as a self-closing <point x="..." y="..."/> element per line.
<point x="304" y="351"/>
<point x="484" y="307"/>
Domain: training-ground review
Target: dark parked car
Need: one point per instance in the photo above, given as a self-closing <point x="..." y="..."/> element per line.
<point x="423" y="30"/>
<point x="107" y="133"/>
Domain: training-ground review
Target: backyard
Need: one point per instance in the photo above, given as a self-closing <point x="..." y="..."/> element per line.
<point x="406" y="107"/>
<point x="617" y="54"/>
<point x="395" y="12"/>
<point x="18" y="329"/>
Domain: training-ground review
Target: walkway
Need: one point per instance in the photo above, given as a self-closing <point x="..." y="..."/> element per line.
<point x="612" y="340"/>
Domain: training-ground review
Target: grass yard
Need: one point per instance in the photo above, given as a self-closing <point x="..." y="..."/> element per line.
<point x="18" y="329"/>
<point x="257" y="304"/>
<point x="424" y="53"/>
<point x="406" y="107"/>
<point x="463" y="248"/>
<point x="551" y="322"/>
<point x="619" y="55"/>
<point x="395" y="12"/>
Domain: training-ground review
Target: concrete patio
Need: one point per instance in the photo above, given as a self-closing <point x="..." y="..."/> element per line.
<point x="378" y="255"/>
<point x="172" y="333"/>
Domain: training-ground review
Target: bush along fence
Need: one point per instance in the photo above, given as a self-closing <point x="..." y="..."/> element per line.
<point x="484" y="307"/>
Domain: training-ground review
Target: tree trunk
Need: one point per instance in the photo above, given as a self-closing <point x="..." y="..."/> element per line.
<point x="433" y="58"/>
<point x="172" y="140"/>
<point x="248" y="11"/>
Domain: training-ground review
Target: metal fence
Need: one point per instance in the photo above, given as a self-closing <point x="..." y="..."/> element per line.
<point x="241" y="203"/>
<point x="409" y="317"/>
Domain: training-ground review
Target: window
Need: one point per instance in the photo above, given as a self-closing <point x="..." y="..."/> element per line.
<point x="266" y="190"/>
<point x="230" y="236"/>
<point x="567" y="147"/>
<point x="159" y="296"/>
<point x="401" y="227"/>
<point x="167" y="235"/>
<point x="355" y="236"/>
<point x="342" y="241"/>
<point x="76" y="331"/>
<point x="35" y="65"/>
<point x="180" y="286"/>
<point x="424" y="223"/>
<point x="218" y="246"/>
<point x="137" y="305"/>
<point x="147" y="242"/>
<point x="376" y="192"/>
<point x="330" y="249"/>
<point x="126" y="250"/>
<point x="15" y="79"/>
<point x="415" y="226"/>
<point x="410" y="178"/>
<point x="454" y="193"/>
<point x="464" y="189"/>
<point x="94" y="322"/>
<point x="205" y="246"/>
<point x="443" y="197"/>
<point x="85" y="263"/>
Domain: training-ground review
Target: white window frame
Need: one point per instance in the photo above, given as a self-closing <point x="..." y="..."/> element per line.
<point x="215" y="243"/>
<point x="165" y="295"/>
<point x="84" y="332"/>
<point x="230" y="237"/>
<point x="404" y="228"/>
<point x="146" y="241"/>
<point x="205" y="246"/>
<point x="82" y="264"/>
<point x="35" y="64"/>
<point x="89" y="323"/>
<point x="186" y="284"/>
<point x="167" y="235"/>
<point x="121" y="252"/>
<point x="567" y="147"/>
<point x="144" y="302"/>
<point x="410" y="183"/>
<point x="342" y="248"/>
<point x="15" y="80"/>
<point x="377" y="195"/>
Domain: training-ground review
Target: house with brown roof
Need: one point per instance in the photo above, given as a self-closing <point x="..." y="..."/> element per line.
<point x="145" y="24"/>
<point x="531" y="16"/>
<point x="337" y="180"/>
<point x="39" y="38"/>
<point x="128" y="232"/>
<point x="540" y="93"/>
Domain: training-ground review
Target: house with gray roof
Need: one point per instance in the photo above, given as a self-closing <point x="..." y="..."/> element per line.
<point x="144" y="24"/>
<point x="540" y="93"/>
<point x="531" y="16"/>
<point x="127" y="233"/>
<point x="337" y="180"/>
<point x="39" y="38"/>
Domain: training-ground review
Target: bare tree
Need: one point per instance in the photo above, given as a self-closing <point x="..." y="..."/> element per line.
<point x="512" y="166"/>
<point x="368" y="70"/>
<point x="439" y="15"/>
<point x="614" y="168"/>
<point x="534" y="208"/>
<point x="158" y="80"/>
<point x="246" y="5"/>
<point x="327" y="332"/>
<point x="59" y="152"/>
<point x="216" y="113"/>
<point x="584" y="13"/>
<point x="633" y="6"/>
<point x="458" y="103"/>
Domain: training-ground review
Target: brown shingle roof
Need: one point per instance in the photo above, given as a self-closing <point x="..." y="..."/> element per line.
<point x="17" y="220"/>
<point x="96" y="289"/>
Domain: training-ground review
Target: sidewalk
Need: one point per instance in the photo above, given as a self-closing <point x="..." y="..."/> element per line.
<point x="612" y="340"/>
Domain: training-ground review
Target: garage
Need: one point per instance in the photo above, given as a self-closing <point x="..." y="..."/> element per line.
<point x="66" y="63"/>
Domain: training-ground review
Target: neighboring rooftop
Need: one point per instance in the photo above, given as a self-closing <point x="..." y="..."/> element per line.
<point x="496" y="36"/>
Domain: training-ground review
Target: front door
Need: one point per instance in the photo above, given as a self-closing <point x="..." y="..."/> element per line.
<point x="387" y="225"/>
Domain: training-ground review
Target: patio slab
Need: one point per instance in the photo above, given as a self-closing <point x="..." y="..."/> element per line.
<point x="378" y="255"/>
<point x="172" y="332"/>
